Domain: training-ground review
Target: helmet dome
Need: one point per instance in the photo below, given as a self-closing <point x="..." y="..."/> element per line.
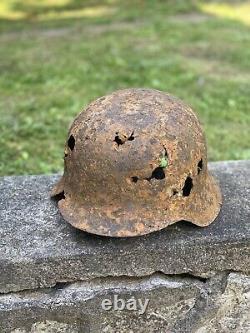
<point x="135" y="162"/>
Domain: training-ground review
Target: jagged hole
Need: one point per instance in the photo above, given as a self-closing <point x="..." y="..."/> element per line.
<point x="71" y="142"/>
<point x="134" y="179"/>
<point x="200" y="166"/>
<point x="158" y="173"/>
<point x="120" y="139"/>
<point x="131" y="137"/>
<point x="59" y="196"/>
<point x="174" y="192"/>
<point x="187" y="186"/>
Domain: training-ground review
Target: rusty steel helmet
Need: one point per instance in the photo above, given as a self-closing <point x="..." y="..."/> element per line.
<point x="135" y="162"/>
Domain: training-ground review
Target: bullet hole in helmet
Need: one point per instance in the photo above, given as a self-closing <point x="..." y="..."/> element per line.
<point x="174" y="192"/>
<point x="71" y="142"/>
<point x="120" y="139"/>
<point x="158" y="173"/>
<point x="187" y="186"/>
<point x="200" y="166"/>
<point x="134" y="179"/>
<point x="59" y="196"/>
<point x="131" y="137"/>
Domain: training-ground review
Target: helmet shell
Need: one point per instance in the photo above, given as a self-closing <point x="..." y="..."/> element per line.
<point x="135" y="162"/>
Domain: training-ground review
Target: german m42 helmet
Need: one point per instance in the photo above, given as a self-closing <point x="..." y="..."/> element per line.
<point x="135" y="162"/>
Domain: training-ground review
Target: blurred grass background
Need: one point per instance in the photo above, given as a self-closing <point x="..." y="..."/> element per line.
<point x="58" y="55"/>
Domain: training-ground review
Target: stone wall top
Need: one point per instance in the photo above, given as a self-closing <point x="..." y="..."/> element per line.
<point x="39" y="249"/>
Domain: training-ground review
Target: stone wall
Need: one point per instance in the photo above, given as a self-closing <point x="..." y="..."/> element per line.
<point x="54" y="278"/>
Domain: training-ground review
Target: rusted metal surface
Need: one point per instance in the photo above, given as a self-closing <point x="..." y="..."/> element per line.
<point x="136" y="162"/>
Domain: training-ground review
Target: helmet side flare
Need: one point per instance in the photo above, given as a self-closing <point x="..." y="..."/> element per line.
<point x="135" y="162"/>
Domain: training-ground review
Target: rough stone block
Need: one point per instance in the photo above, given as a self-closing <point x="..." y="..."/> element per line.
<point x="176" y="305"/>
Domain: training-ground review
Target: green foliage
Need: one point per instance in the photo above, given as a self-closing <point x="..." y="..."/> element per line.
<point x="163" y="162"/>
<point x="52" y="64"/>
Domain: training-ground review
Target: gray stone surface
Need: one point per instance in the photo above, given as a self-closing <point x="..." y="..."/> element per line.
<point x="39" y="249"/>
<point x="176" y="305"/>
<point x="78" y="305"/>
<point x="232" y="308"/>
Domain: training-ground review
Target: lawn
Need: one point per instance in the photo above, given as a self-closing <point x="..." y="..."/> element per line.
<point x="58" y="55"/>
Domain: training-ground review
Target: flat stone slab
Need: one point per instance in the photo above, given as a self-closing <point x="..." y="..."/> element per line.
<point x="160" y="303"/>
<point x="39" y="249"/>
<point x="78" y="307"/>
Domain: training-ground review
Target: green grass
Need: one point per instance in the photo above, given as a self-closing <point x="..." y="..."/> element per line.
<point x="54" y="59"/>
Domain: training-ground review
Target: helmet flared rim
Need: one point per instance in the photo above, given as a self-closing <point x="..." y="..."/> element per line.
<point x="97" y="220"/>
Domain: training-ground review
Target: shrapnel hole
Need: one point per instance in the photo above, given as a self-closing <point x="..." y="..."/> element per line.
<point x="158" y="173"/>
<point x="120" y="139"/>
<point x="134" y="179"/>
<point x="200" y="166"/>
<point x="131" y="137"/>
<point x="59" y="196"/>
<point x="71" y="142"/>
<point x="187" y="186"/>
